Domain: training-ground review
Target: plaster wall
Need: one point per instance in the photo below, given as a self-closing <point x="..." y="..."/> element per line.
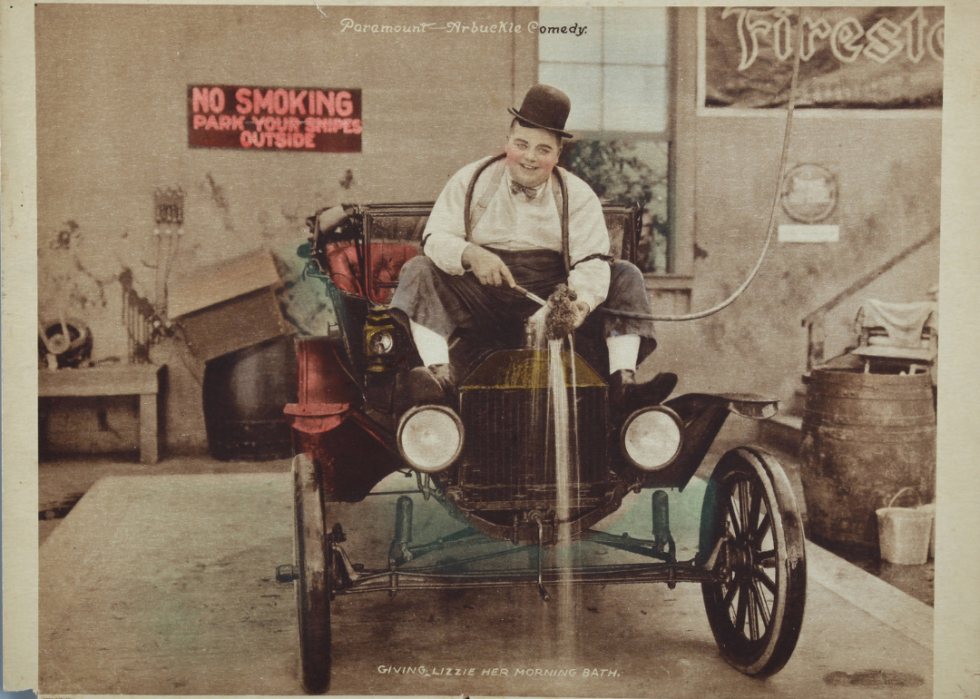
<point x="888" y="174"/>
<point x="112" y="126"/>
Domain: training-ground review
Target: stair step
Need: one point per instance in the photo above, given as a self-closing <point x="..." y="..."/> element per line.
<point x="783" y="432"/>
<point x="794" y="405"/>
<point x="792" y="422"/>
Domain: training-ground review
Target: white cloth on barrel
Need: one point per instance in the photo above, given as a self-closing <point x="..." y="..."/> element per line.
<point x="511" y="222"/>
<point x="903" y="323"/>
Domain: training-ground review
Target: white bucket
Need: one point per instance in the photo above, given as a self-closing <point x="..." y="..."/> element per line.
<point x="903" y="533"/>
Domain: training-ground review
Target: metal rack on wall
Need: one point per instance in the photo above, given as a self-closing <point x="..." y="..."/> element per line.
<point x="143" y="325"/>
<point x="146" y="322"/>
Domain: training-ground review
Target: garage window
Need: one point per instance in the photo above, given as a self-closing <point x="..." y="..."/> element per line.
<point x="618" y="76"/>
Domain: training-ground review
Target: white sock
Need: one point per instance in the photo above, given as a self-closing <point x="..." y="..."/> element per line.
<point x="432" y="347"/>
<point x="624" y="350"/>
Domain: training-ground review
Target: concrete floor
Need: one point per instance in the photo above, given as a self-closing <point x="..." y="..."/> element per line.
<point x="917" y="581"/>
<point x="164" y="584"/>
<point x="62" y="483"/>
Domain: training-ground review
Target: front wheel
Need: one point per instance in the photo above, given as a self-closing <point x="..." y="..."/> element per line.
<point x="752" y="533"/>
<point x="313" y="557"/>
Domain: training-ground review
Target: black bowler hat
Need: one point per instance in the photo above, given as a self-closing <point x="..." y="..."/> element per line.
<point x="545" y="107"/>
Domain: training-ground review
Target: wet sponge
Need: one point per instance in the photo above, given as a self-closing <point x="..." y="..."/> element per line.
<point x="561" y="317"/>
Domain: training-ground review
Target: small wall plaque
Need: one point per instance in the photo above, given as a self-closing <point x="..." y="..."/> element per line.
<point x="792" y="233"/>
<point x="809" y="193"/>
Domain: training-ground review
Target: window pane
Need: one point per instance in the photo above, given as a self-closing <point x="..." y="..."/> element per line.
<point x="582" y="84"/>
<point x="635" y="99"/>
<point x="624" y="172"/>
<point x="652" y="248"/>
<point x="586" y="48"/>
<point x="636" y="35"/>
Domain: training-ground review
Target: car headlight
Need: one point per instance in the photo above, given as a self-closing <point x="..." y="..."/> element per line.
<point x="651" y="437"/>
<point x="430" y="437"/>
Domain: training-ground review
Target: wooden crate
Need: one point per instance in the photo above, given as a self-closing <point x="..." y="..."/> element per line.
<point x="229" y="307"/>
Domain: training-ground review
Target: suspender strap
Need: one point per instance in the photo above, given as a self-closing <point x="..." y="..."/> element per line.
<point x="470" y="221"/>
<point x="596" y="256"/>
<point x="471" y="216"/>
<point x="563" y="208"/>
<point x="496" y="175"/>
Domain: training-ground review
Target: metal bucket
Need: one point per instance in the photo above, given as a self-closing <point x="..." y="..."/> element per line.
<point x="865" y="437"/>
<point x="244" y="394"/>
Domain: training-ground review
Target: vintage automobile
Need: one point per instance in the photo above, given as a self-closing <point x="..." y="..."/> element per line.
<point x="491" y="461"/>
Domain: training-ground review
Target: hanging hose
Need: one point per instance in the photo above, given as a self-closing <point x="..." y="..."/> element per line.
<point x="772" y="212"/>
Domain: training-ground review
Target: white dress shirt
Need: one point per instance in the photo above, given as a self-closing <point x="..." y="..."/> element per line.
<point x="511" y="222"/>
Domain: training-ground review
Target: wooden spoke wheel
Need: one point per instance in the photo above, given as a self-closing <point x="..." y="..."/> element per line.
<point x="313" y="554"/>
<point x="751" y="522"/>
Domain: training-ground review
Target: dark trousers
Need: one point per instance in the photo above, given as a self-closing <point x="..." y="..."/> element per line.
<point x="453" y="304"/>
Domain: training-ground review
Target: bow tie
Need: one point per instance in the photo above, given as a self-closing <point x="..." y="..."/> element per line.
<point x="529" y="192"/>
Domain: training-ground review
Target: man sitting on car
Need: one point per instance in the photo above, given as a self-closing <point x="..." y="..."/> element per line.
<point x="531" y="224"/>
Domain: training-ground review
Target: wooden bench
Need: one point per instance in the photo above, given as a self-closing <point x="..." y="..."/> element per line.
<point x="141" y="380"/>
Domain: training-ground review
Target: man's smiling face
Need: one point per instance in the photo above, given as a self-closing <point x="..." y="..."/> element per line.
<point x="531" y="154"/>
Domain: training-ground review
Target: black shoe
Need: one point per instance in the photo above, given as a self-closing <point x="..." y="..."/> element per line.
<point x="626" y="395"/>
<point x="432" y="384"/>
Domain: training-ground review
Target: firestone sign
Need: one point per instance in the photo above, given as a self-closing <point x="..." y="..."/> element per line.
<point x="324" y="120"/>
<point x="850" y="57"/>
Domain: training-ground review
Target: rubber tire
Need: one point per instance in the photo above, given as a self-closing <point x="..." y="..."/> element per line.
<point x="313" y="582"/>
<point x="772" y="650"/>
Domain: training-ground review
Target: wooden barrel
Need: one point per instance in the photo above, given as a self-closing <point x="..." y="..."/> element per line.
<point x="865" y="437"/>
<point x="244" y="395"/>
